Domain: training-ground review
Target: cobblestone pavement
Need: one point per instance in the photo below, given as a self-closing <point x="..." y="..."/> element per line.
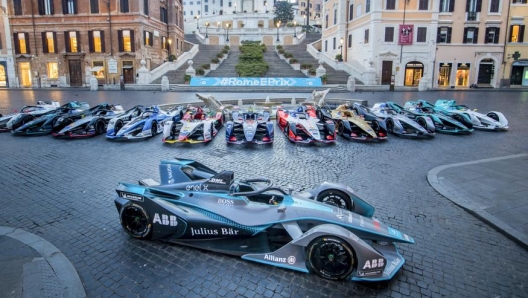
<point x="63" y="191"/>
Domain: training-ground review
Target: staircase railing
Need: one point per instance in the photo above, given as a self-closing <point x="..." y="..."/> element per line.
<point x="351" y="68"/>
<point x="159" y="71"/>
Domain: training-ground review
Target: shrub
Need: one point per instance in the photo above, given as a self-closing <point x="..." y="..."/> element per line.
<point x="215" y="61"/>
<point x="324" y="78"/>
<point x="205" y="66"/>
<point x="186" y="78"/>
<point x="306" y="66"/>
<point x="279" y="47"/>
<point x="281" y="51"/>
<point x="311" y="71"/>
<point x="288" y="55"/>
<point x="200" y="71"/>
<point x="339" y="57"/>
<point x="172" y="58"/>
<point x="293" y="61"/>
<point x="224" y="51"/>
<point x="220" y="55"/>
<point x="227" y="48"/>
<point x="251" y="60"/>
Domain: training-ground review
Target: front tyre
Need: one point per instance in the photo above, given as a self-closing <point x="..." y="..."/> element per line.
<point x="135" y="221"/>
<point x="335" y="198"/>
<point x="154" y="128"/>
<point x="330" y="258"/>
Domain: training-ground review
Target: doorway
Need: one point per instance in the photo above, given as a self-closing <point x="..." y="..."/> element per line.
<point x="75" y="73"/>
<point x="444" y="74"/>
<point x="25" y="74"/>
<point x="485" y="73"/>
<point x="413" y="73"/>
<point x="128" y="72"/>
<point x="3" y="75"/>
<point x="386" y="72"/>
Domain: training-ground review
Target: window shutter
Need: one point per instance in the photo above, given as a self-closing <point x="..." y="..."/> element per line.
<point x="75" y="11"/>
<point x="475" y="37"/>
<point x="488" y="30"/>
<point x="467" y="5"/>
<point x="26" y="40"/>
<point x="438" y="35"/>
<point x="132" y="46"/>
<point x="511" y="31"/>
<point x="151" y="41"/>
<point x="41" y="7"/>
<point x="64" y="6"/>
<point x="44" y="43"/>
<point x="521" y="33"/>
<point x="55" y="45"/>
<point x="465" y="35"/>
<point x="52" y="9"/>
<point x="479" y="5"/>
<point x="440" y="6"/>
<point x="91" y="42"/>
<point x="145" y="38"/>
<point x="102" y="41"/>
<point x="78" y="35"/>
<point x="449" y="30"/>
<point x="67" y="41"/>
<point x="17" y="44"/>
<point x="451" y="5"/>
<point x="497" y="34"/>
<point x="120" y="40"/>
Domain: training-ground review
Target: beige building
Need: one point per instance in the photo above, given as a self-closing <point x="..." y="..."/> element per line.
<point x="7" y="69"/>
<point x="515" y="72"/>
<point x="65" y="42"/>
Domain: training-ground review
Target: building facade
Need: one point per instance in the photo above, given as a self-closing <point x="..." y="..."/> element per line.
<point x="7" y="68"/>
<point x="66" y="42"/>
<point x="515" y="72"/>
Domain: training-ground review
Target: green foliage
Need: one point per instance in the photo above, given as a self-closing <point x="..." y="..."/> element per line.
<point x="215" y="60"/>
<point x="205" y="66"/>
<point x="251" y="60"/>
<point x="227" y="48"/>
<point x="279" y="47"/>
<point x="219" y="55"/>
<point x="186" y="78"/>
<point x="200" y="71"/>
<point x="281" y="51"/>
<point x="339" y="57"/>
<point x="283" y="12"/>
<point x="324" y="78"/>
<point x="172" y="58"/>
<point x="306" y="66"/>
<point x="288" y="55"/>
<point x="224" y="51"/>
<point x="255" y="69"/>
<point x="311" y="71"/>
<point x="293" y="61"/>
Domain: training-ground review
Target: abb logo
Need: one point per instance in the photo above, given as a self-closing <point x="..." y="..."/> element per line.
<point x="372" y="264"/>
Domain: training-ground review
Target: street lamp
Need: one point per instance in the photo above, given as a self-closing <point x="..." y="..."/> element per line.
<point x="341" y="48"/>
<point x="278" y="25"/>
<point x="294" y="28"/>
<point x="235" y="9"/>
<point x="227" y="32"/>
<point x="197" y="17"/>
<point x="169" y="48"/>
<point x="206" y="26"/>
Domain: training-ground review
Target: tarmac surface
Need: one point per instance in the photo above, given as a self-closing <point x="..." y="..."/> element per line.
<point x="60" y="234"/>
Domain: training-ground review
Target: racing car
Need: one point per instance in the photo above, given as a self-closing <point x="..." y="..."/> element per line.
<point x="196" y="206"/>
<point x="397" y="123"/>
<point x="430" y="108"/>
<point x="45" y="123"/>
<point x="148" y="124"/>
<point x="67" y="119"/>
<point x="442" y="123"/>
<point x="250" y="126"/>
<point x="97" y="123"/>
<point x="490" y="121"/>
<point x="197" y="124"/>
<point x="26" y="114"/>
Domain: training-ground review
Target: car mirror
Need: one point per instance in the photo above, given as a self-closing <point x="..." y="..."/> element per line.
<point x="281" y="209"/>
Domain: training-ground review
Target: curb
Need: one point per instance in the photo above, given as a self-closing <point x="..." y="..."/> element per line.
<point x="473" y="207"/>
<point x="61" y="266"/>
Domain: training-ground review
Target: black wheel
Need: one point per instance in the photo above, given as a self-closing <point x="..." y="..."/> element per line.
<point x="118" y="125"/>
<point x="99" y="127"/>
<point x="390" y="125"/>
<point x="64" y="123"/>
<point x="493" y="116"/>
<point x="331" y="258"/>
<point x="319" y="115"/>
<point x="287" y="129"/>
<point x="336" y="198"/>
<point x="458" y="118"/>
<point x="375" y="125"/>
<point x="212" y="131"/>
<point x="340" y="128"/>
<point x="422" y="122"/>
<point x="135" y="221"/>
<point x="154" y="128"/>
<point x="27" y="118"/>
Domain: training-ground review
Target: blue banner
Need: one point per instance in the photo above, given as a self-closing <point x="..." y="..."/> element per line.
<point x="260" y="82"/>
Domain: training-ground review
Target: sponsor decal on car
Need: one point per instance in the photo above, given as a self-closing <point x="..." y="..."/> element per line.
<point x="169" y="174"/>
<point x="131" y="197"/>
<point x="198" y="187"/>
<point x="368" y="273"/>
<point x="165" y="220"/>
<point x="375" y="263"/>
<point x="361" y="221"/>
<point x="289" y="260"/>
<point x="226" y="202"/>
<point x="395" y="232"/>
<point x="217" y="181"/>
<point x="392" y="266"/>
<point x="213" y="232"/>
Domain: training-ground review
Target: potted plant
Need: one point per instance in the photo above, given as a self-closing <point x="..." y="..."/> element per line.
<point x="214" y="63"/>
<point x="186" y="79"/>
<point x="324" y="78"/>
<point x="200" y="71"/>
<point x="339" y="57"/>
<point x="295" y="64"/>
<point x="172" y="57"/>
<point x="312" y="71"/>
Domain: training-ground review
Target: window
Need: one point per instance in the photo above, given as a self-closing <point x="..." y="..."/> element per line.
<point x="334" y="43"/>
<point x="303" y="4"/>
<point x="126" y="40"/>
<point x="335" y="16"/>
<point x="98" y="69"/>
<point x="326" y="21"/>
<point x="21" y="41"/>
<point x="49" y="42"/>
<point x="423" y="5"/>
<point x="516" y="33"/>
<point x="421" y="34"/>
<point x="351" y="12"/>
<point x="447" y="5"/>
<point x="146" y="7"/>
<point x="94" y="6"/>
<point x="367" y="6"/>
<point x="163" y="15"/>
<point x="69" y="6"/>
<point x="520" y="1"/>
<point x="229" y="4"/>
<point x="124" y="6"/>
<point x="494" y="6"/>
<point x="71" y="39"/>
<point x="470" y="35"/>
<point x="366" y="39"/>
<point x="444" y="35"/>
<point x="147" y="37"/>
<point x="492" y="35"/>
<point x="45" y="7"/>
<point x="206" y="8"/>
<point x="96" y="41"/>
<point x="350" y="40"/>
<point x="472" y="8"/>
<point x="389" y="34"/>
<point x="164" y="42"/>
<point x="53" y="70"/>
<point x="391" y="5"/>
<point x="326" y="45"/>
<point x="18" y="7"/>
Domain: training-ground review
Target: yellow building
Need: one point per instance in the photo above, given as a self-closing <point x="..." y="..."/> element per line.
<point x="515" y="72"/>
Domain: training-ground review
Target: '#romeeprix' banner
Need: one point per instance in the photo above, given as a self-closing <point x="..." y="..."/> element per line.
<point x="261" y="82"/>
<point x="406" y="34"/>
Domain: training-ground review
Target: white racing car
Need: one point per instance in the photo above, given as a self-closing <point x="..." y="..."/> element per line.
<point x="491" y="121"/>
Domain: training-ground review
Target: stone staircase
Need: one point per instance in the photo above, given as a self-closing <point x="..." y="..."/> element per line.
<point x="300" y="53"/>
<point x="227" y="67"/>
<point x="279" y="68"/>
<point x="204" y="56"/>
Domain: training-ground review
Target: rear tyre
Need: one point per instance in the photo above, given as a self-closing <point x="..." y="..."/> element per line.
<point x="135" y="221"/>
<point x="118" y="125"/>
<point x="422" y="122"/>
<point x="99" y="127"/>
<point x="390" y="125"/>
<point x="340" y="128"/>
<point x="27" y="119"/>
<point x="331" y="258"/>
<point x="154" y="128"/>
<point x="335" y="198"/>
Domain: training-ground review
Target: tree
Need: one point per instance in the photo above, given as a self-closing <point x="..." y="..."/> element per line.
<point x="283" y="12"/>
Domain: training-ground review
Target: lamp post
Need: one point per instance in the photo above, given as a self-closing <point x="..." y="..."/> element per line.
<point x="341" y="47"/>
<point x="235" y="9"/>
<point x="206" y="26"/>
<point x="278" y="25"/>
<point x="197" y="17"/>
<point x="169" y="48"/>
<point x="294" y="28"/>
<point x="227" y="32"/>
